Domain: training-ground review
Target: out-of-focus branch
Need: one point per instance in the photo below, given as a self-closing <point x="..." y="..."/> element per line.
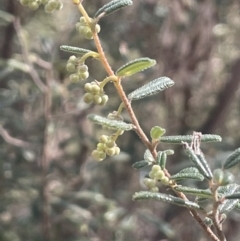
<point x="13" y="141"/>
<point x="33" y="73"/>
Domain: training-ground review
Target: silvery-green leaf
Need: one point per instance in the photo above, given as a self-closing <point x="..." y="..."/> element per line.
<point x="112" y="7"/>
<point x="111" y="124"/>
<point x="188" y="173"/>
<point x="189" y="139"/>
<point x="165" y="198"/>
<point x="235" y="195"/>
<point x="201" y="166"/>
<point x="135" y="66"/>
<point x="238" y="205"/>
<point x="228" y="204"/>
<point x="74" y="50"/>
<point x="203" y="161"/>
<point x="205" y="193"/>
<point x="151" y="88"/>
<point x="140" y="164"/>
<point x="148" y="156"/>
<point x="161" y="159"/>
<point x="232" y="160"/>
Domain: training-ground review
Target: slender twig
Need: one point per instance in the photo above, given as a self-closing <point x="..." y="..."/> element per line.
<point x="13" y="141"/>
<point x="133" y="117"/>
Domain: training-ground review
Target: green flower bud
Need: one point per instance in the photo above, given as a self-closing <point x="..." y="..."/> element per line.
<point x="59" y="6"/>
<point x="110" y="144"/>
<point x="110" y="151"/>
<point x="159" y="175"/>
<point x="83" y="68"/>
<point x="44" y="2"/>
<point x="97" y="99"/>
<point x="103" y="138"/>
<point x="97" y="28"/>
<point x="53" y="4"/>
<point x="71" y="67"/>
<point x="74" y="78"/>
<point x="117" y="150"/>
<point x="218" y="175"/>
<point x="152" y="174"/>
<point x="88" y="34"/>
<point x="82" y="20"/>
<point x="73" y="59"/>
<point x="154" y="189"/>
<point x="84" y="75"/>
<point x="149" y="182"/>
<point x="101" y="147"/>
<point x="104" y="100"/>
<point x="165" y="180"/>
<point x="95" y="89"/>
<point x="33" y="6"/>
<point x="156" y="168"/>
<point x="88" y="87"/>
<point x="156" y="132"/>
<point x="222" y="177"/>
<point x="24" y="2"/>
<point x="88" y="98"/>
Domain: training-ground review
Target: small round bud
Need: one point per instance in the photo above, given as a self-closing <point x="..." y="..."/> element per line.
<point x="44" y="2"/>
<point x="88" y="34"/>
<point x="154" y="189"/>
<point x="95" y="89"/>
<point x="53" y="4"/>
<point x="117" y="150"/>
<point x="165" y="180"/>
<point x="156" y="168"/>
<point x="82" y="20"/>
<point x="97" y="99"/>
<point x="33" y="6"/>
<point x="88" y="98"/>
<point x="152" y="174"/>
<point x="95" y="154"/>
<point x="73" y="59"/>
<point x="83" y="68"/>
<point x="24" y="2"/>
<point x="48" y="8"/>
<point x="101" y="147"/>
<point x="71" y="67"/>
<point x="110" y="144"/>
<point x="74" y="78"/>
<point x="104" y="100"/>
<point x="102" y="155"/>
<point x="84" y="75"/>
<point x="59" y="6"/>
<point x="159" y="175"/>
<point x="97" y="28"/>
<point x="103" y="138"/>
<point x="88" y="87"/>
<point x="110" y="151"/>
<point x="83" y="30"/>
<point x="149" y="182"/>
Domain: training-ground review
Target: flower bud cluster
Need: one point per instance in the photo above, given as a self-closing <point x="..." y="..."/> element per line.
<point x="50" y="5"/>
<point x="80" y="71"/>
<point x="83" y="28"/>
<point x="155" y="175"/>
<point x="94" y="94"/>
<point x="106" y="146"/>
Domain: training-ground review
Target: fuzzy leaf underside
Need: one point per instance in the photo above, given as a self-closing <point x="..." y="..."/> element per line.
<point x="140" y="164"/>
<point x="112" y="7"/>
<point x="148" y="156"/>
<point x="74" y="50"/>
<point x="189" y="139"/>
<point x="111" y="124"/>
<point x="205" y="193"/>
<point x="161" y="159"/>
<point x="135" y="66"/>
<point x="188" y="173"/>
<point x="144" y="195"/>
<point x="233" y="159"/>
<point x="151" y="88"/>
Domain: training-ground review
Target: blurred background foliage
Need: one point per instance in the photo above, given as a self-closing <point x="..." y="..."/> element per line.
<point x="50" y="188"/>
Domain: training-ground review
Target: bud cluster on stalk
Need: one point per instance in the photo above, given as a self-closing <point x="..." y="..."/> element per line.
<point x="106" y="146"/>
<point x="156" y="174"/>
<point x="50" y="5"/>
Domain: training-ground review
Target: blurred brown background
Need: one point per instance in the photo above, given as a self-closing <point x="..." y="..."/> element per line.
<point x="50" y="188"/>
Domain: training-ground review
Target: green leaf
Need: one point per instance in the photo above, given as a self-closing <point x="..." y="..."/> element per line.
<point x="165" y="198"/>
<point x="232" y="160"/>
<point x="228" y="204"/>
<point x="135" y="66"/>
<point x="161" y="159"/>
<point x="112" y="7"/>
<point x="151" y="88"/>
<point x="205" y="193"/>
<point x="206" y="166"/>
<point x="74" y="50"/>
<point x="111" y="124"/>
<point x="233" y="196"/>
<point x="238" y="206"/>
<point x="189" y="138"/>
<point x="140" y="164"/>
<point x="201" y="166"/>
<point x="156" y="132"/>
<point x="148" y="156"/>
<point x="188" y="173"/>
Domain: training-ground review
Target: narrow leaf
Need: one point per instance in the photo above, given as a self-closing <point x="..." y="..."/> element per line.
<point x="233" y="196"/>
<point x="135" y="66"/>
<point x="74" y="50"/>
<point x="202" y="159"/>
<point x="112" y="7"/>
<point x="189" y="138"/>
<point x="201" y="166"/>
<point x="188" y="173"/>
<point x="140" y="164"/>
<point x="228" y="204"/>
<point x="161" y="159"/>
<point x="111" y="124"/>
<point x="165" y="198"/>
<point x="205" y="193"/>
<point x="232" y="160"/>
<point x="151" y="88"/>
